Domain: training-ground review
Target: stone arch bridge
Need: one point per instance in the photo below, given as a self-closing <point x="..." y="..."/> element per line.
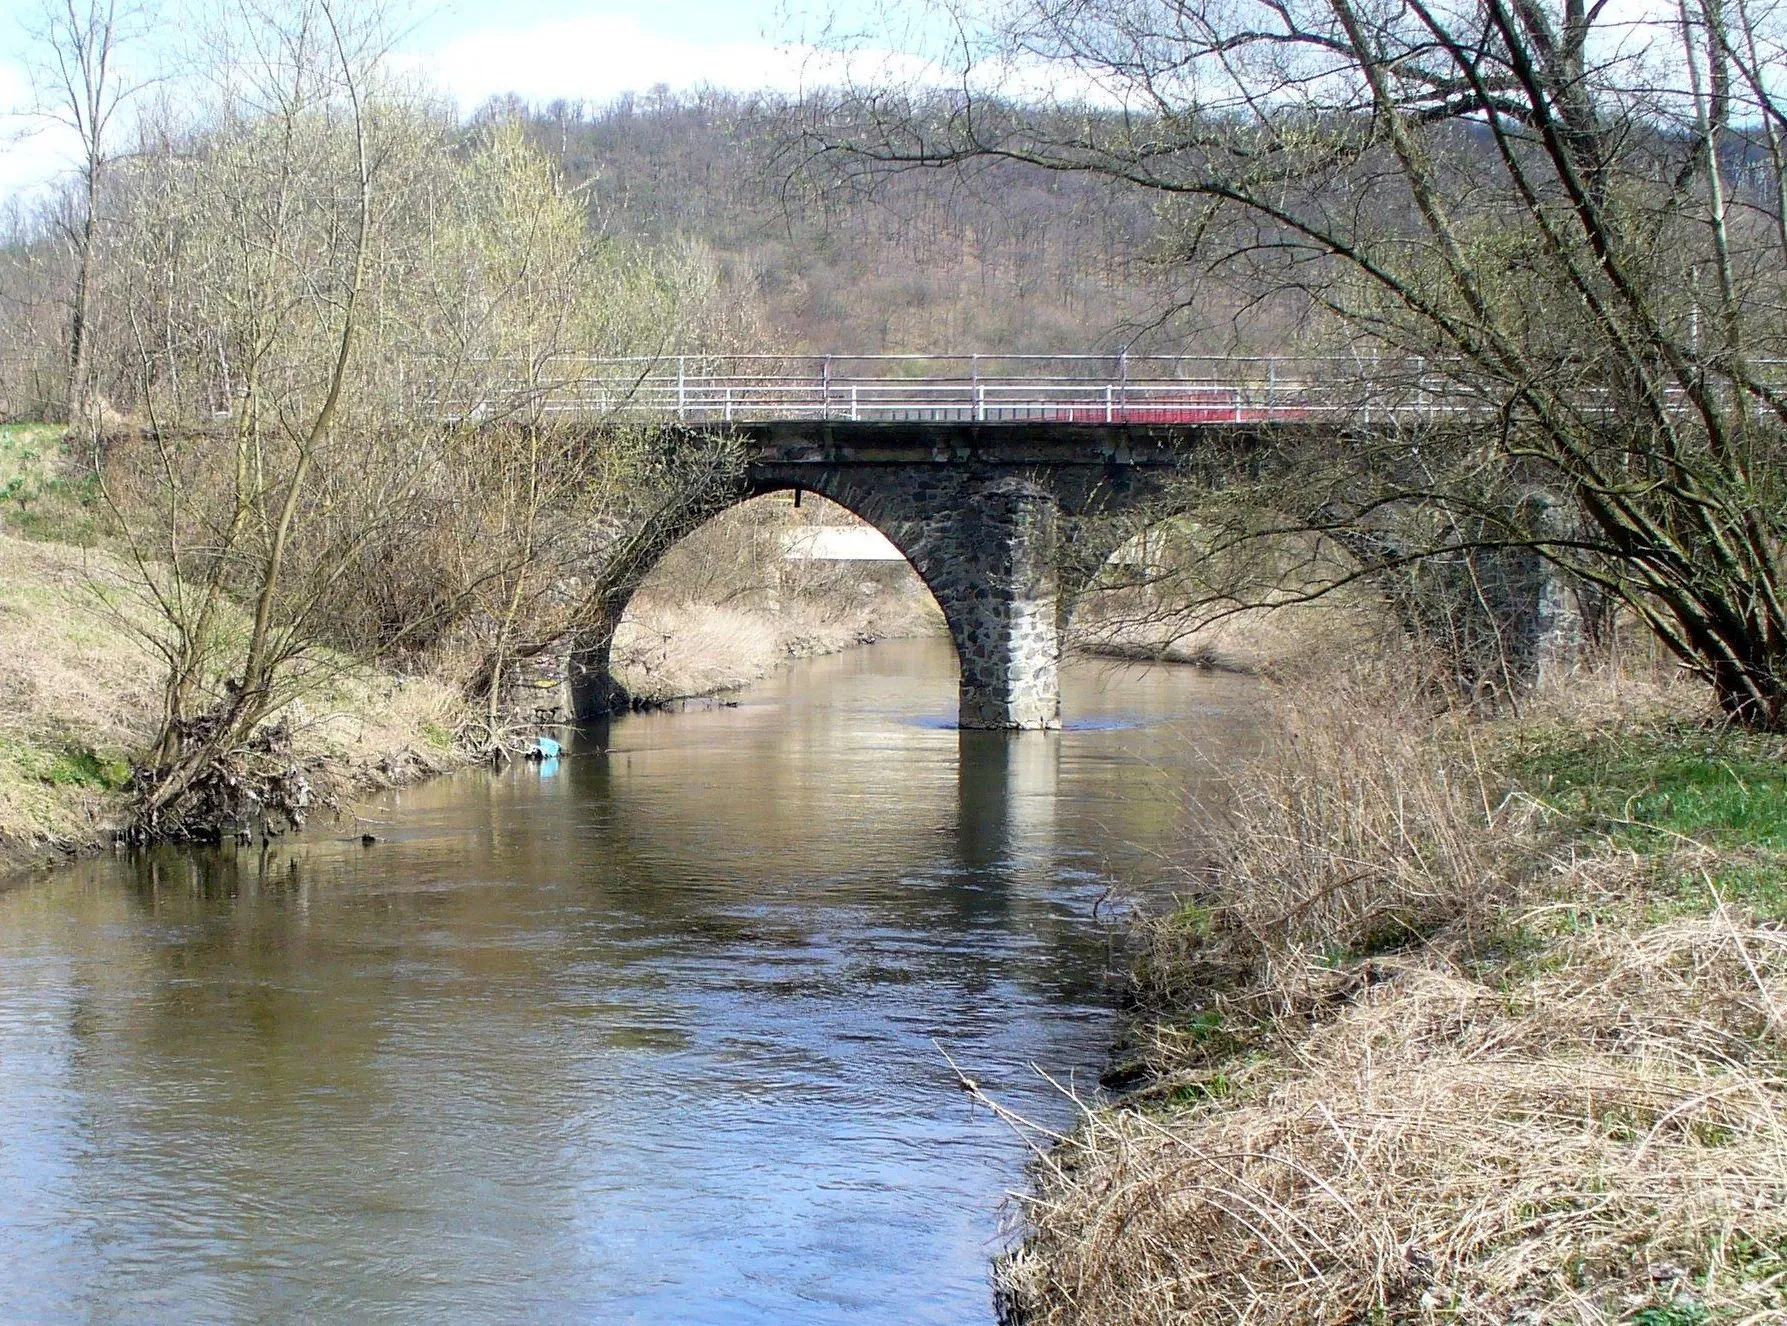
<point x="1006" y="523"/>
<point x="1007" y="481"/>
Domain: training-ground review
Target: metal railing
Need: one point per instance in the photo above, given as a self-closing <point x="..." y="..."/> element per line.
<point x="706" y="390"/>
<point x="1085" y="389"/>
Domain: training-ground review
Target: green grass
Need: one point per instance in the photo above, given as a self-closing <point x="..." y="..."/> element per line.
<point x="1676" y="1313"/>
<point x="1657" y="789"/>
<point x="1650" y="789"/>
<point x="44" y="493"/>
<point x="1218" y="1086"/>
<point x="66" y="766"/>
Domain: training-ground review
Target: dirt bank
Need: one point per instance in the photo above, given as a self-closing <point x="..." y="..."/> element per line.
<point x="1285" y="641"/>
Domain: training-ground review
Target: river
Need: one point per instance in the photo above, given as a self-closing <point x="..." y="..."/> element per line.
<point x="650" y="1035"/>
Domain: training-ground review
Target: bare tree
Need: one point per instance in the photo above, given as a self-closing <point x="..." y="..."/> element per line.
<point x="1569" y="217"/>
<point x="341" y="320"/>
<point x="81" y="87"/>
<point x="302" y="223"/>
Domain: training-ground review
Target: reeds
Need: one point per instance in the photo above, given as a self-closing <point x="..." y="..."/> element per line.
<point x="1366" y="824"/>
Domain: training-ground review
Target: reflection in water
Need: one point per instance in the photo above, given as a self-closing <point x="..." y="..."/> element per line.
<point x="645" y="1037"/>
<point x="1006" y="783"/>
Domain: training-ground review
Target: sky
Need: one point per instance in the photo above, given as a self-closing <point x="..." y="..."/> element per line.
<point x="539" y="49"/>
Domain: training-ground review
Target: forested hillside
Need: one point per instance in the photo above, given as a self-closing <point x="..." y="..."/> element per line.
<point x="1001" y="258"/>
<point x="810" y="256"/>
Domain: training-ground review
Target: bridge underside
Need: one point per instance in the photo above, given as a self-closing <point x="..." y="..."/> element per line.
<point x="1006" y="524"/>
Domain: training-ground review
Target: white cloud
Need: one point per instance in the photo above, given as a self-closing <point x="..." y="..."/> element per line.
<point x="598" y="57"/>
<point x="593" y="57"/>
<point x="33" y="151"/>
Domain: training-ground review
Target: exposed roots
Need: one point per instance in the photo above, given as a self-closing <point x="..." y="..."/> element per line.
<point x="256" y="784"/>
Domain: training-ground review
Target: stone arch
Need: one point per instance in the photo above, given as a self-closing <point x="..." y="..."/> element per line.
<point x="595" y="693"/>
<point x="881" y="507"/>
<point x="984" y="544"/>
<point x="1500" y="609"/>
<point x="1101" y="511"/>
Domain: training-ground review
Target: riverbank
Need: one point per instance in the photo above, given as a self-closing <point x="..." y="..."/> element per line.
<point x="670" y="649"/>
<point x="1284" y="642"/>
<point x="81" y="694"/>
<point x="1457" y="1021"/>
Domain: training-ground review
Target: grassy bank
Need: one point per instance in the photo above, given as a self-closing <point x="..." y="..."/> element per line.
<point x="80" y="698"/>
<point x="1458" y="1022"/>
<point x="667" y="649"/>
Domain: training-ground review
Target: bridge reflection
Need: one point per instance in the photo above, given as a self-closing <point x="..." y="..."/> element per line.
<point x="1007" y="785"/>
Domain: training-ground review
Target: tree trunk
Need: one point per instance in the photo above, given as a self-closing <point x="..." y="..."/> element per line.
<point x="75" y="396"/>
<point x="1752" y="693"/>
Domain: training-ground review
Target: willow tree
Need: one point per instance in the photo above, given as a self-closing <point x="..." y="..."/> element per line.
<point x="248" y="265"/>
<point x="1569" y="215"/>
<point x="544" y="502"/>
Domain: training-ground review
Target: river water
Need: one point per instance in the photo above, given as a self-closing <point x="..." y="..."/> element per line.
<point x="652" y="1035"/>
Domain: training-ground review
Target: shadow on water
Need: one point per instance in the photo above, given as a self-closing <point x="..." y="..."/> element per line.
<point x="647" y="1036"/>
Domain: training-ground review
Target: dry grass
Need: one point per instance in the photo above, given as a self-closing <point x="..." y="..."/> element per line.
<point x="1633" y="677"/>
<point x="670" y="647"/>
<point x="80" y="696"/>
<point x="1285" y="642"/>
<point x="1355" y="830"/>
<point x="1419" y="1057"/>
<point x="1447" y="1150"/>
<point x="666" y="651"/>
<point x="77" y="695"/>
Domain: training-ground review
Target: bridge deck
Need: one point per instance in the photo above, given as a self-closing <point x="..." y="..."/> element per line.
<point x="1006" y="442"/>
<point x="1096" y="391"/>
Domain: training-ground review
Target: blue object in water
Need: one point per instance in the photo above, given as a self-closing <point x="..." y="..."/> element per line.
<point x="548" y="749"/>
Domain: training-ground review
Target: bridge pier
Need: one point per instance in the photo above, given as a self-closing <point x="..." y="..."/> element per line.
<point x="589" y="677"/>
<point x="998" y="590"/>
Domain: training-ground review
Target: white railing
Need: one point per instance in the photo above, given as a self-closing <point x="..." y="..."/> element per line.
<point x="706" y="390"/>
